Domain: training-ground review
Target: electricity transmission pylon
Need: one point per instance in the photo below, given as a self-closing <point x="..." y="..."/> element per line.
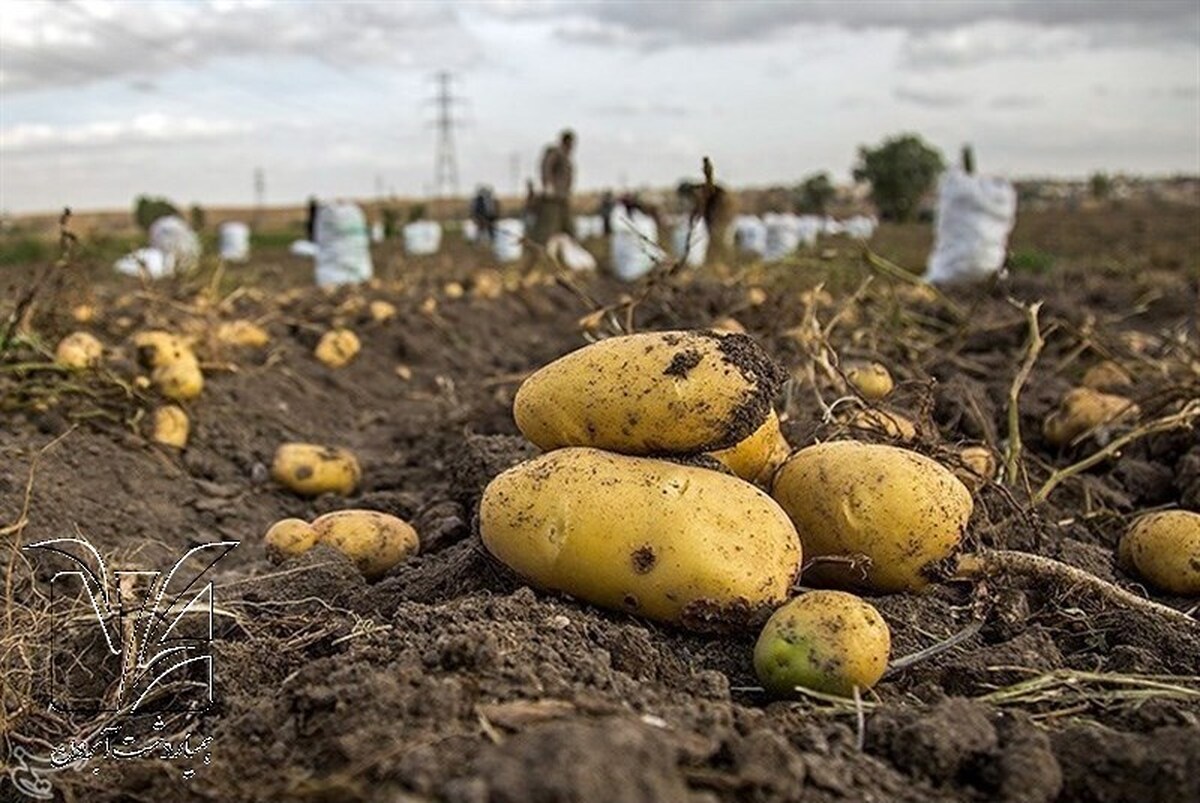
<point x="445" y="174"/>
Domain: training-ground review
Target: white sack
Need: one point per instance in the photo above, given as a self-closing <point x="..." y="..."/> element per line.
<point x="175" y="238"/>
<point x="750" y="234"/>
<point x="422" y="238"/>
<point x="507" y="246"/>
<point x="634" y="244"/>
<point x="697" y="247"/>
<point x="234" y="241"/>
<point x="975" y="215"/>
<point x="343" y="250"/>
<point x="148" y="262"/>
<point x="569" y="253"/>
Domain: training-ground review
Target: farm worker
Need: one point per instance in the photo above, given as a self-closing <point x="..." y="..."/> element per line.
<point x="553" y="206"/>
<point x="716" y="206"/>
<point x="311" y="223"/>
<point x="485" y="211"/>
<point x="607" y="204"/>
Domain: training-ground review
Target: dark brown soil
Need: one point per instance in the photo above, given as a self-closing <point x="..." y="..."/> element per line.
<point x="450" y="680"/>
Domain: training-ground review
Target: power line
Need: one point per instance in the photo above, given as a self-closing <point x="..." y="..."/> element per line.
<point x="445" y="171"/>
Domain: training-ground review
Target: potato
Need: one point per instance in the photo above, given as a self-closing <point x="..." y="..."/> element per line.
<point x="884" y="422"/>
<point x="157" y="348"/>
<point x="757" y="457"/>
<point x="453" y="290"/>
<point x="728" y="325"/>
<point x="337" y="347"/>
<point x="1105" y="376"/>
<point x="1083" y="410"/>
<point x="827" y="641"/>
<point x="170" y="426"/>
<point x="1164" y="548"/>
<point x="78" y="350"/>
<point x="242" y="333"/>
<point x="978" y="467"/>
<point x="180" y="379"/>
<point x="382" y="311"/>
<point x="290" y="538"/>
<point x="658" y="392"/>
<point x="309" y="469"/>
<point x="872" y="380"/>
<point x="83" y="313"/>
<point x="374" y="541"/>
<point x="674" y="543"/>
<point x="487" y="284"/>
<point x="900" y="510"/>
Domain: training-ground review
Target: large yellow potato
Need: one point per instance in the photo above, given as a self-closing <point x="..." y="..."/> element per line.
<point x="873" y="380"/>
<point x="1164" y="548"/>
<point x="290" y="538"/>
<point x="242" y="333"/>
<point x="179" y="379"/>
<point x="309" y="469"/>
<point x="78" y="350"/>
<point x="757" y="457"/>
<point x="898" y="509"/>
<point x="671" y="542"/>
<point x="828" y="641"/>
<point x="170" y="426"/>
<point x="157" y="348"/>
<point x="337" y="347"/>
<point x="374" y="541"/>
<point x="1082" y="410"/>
<point x="658" y="392"/>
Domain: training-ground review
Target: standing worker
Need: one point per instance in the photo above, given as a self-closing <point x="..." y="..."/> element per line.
<point x="716" y="207"/>
<point x="558" y="176"/>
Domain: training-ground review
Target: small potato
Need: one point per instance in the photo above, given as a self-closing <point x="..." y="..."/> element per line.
<point x="453" y="290"/>
<point x="83" y="313"/>
<point x="884" y="422"/>
<point x="487" y="284"/>
<point x="827" y="641"/>
<point x="156" y="348"/>
<point x="1083" y="410"/>
<point x="290" y="538"/>
<point x="676" y="543"/>
<point x="337" y="347"/>
<point x="898" y="509"/>
<point x="978" y="467"/>
<point x="756" y="458"/>
<point x="1164" y="548"/>
<point x="179" y="380"/>
<point x="873" y="380"/>
<point x="310" y="470"/>
<point x="374" y="541"/>
<point x="79" y="350"/>
<point x="728" y="325"/>
<point x="1106" y="375"/>
<point x="382" y="311"/>
<point x="652" y="393"/>
<point x="243" y="334"/>
<point x="170" y="426"/>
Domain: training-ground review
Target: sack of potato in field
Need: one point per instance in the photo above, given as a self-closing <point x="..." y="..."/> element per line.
<point x="343" y="247"/>
<point x="634" y="244"/>
<point x="974" y="217"/>
<point x="692" y="236"/>
<point x="507" y="246"/>
<point x="234" y="241"/>
<point x="422" y="238"/>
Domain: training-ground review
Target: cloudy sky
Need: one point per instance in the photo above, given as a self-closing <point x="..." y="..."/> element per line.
<point x="100" y="101"/>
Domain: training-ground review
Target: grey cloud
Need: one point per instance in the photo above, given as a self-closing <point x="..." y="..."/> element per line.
<point x="1015" y="102"/>
<point x="646" y="107"/>
<point x="931" y="99"/>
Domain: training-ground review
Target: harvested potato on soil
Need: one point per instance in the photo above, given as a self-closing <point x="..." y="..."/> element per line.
<point x="242" y="333"/>
<point x="180" y="379"/>
<point x="309" y="469"/>
<point x="675" y="543"/>
<point x="290" y="538"/>
<point x="1106" y="375"/>
<point x="453" y="290"/>
<point x="850" y="500"/>
<point x="170" y="426"/>
<point x="374" y="541"/>
<point x="873" y="380"/>
<point x="78" y="350"/>
<point x="382" y="311"/>
<point x="487" y="284"/>
<point x="1164" y="548"/>
<point x="156" y="348"/>
<point x="884" y="422"/>
<point x="658" y="392"/>
<point x="978" y="467"/>
<point x="729" y="325"/>
<point x="1083" y="410"/>
<point x="757" y="457"/>
<point x="827" y="641"/>
<point x="337" y="347"/>
<point x="83" y="313"/>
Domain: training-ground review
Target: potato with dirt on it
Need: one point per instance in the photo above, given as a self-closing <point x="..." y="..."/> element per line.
<point x="290" y="538"/>
<point x="453" y="290"/>
<point x="826" y="641"/>
<point x="156" y="348"/>
<point x="487" y="284"/>
<point x="78" y="351"/>
<point x="1164" y="549"/>
<point x="1106" y="375"/>
<point x="1083" y="410"/>
<point x="179" y="380"/>
<point x="978" y="467"/>
<point x="883" y="422"/>
<point x="676" y="543"/>
<point x="242" y="334"/>
<point x="170" y="426"/>
<point x="337" y="348"/>
<point x="756" y="458"/>
<point x="382" y="311"/>
<point x="310" y="469"/>
<point x="884" y="514"/>
<point x="83" y="313"/>
<point x="653" y="393"/>
<point x="374" y="541"/>
<point x="872" y="380"/>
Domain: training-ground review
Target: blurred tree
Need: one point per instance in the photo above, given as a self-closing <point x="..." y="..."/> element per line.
<point x="196" y="213"/>
<point x="1100" y="185"/>
<point x="814" y="194"/>
<point x="416" y="212"/>
<point x="901" y="170"/>
<point x="390" y="219"/>
<point x="146" y="210"/>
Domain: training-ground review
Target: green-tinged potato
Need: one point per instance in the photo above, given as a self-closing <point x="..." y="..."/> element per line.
<point x="827" y="641"/>
<point x="156" y="348"/>
<point x="978" y="467"/>
<point x="309" y="469"/>
<point x="1083" y="410"/>
<point x="757" y="457"/>
<point x="652" y="393"/>
<point x="374" y="541"/>
<point x="290" y="538"/>
<point x="180" y="379"/>
<point x="675" y="543"/>
<point x="898" y="509"/>
<point x="1164" y="548"/>
<point x="884" y="422"/>
<point x="78" y="350"/>
<point x="242" y="334"/>
<point x="337" y="347"/>
<point x="170" y="426"/>
<point x="872" y="380"/>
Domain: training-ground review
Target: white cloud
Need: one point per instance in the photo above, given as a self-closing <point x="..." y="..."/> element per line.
<point x="929" y="98"/>
<point x="144" y="129"/>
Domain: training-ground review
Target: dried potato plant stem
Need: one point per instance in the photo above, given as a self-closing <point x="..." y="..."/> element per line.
<point x="987" y="562"/>
<point x="1012" y="459"/>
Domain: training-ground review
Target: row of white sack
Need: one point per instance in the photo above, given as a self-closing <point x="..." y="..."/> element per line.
<point x="174" y="246"/>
